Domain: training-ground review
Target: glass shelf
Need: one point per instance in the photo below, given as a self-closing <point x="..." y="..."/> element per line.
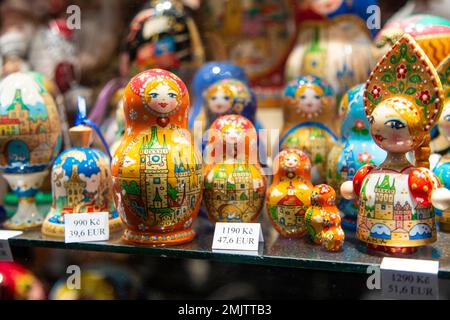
<point x="277" y="251"/>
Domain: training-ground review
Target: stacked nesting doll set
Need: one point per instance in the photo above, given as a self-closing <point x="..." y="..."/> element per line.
<point x="361" y="163"/>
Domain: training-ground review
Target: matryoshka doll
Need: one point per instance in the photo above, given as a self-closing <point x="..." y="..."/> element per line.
<point x="442" y="168"/>
<point x="162" y="35"/>
<point x="309" y="112"/>
<point x="333" y="42"/>
<point x="157" y="172"/>
<point x="402" y="100"/>
<point x="358" y="149"/>
<point x="234" y="184"/>
<point x="81" y="183"/>
<point x="229" y="96"/>
<point x="322" y="219"/>
<point x="206" y="76"/>
<point x="288" y="196"/>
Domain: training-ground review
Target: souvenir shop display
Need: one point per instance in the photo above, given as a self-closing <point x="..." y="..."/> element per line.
<point x="309" y="125"/>
<point x="289" y="195"/>
<point x="333" y="43"/>
<point x="442" y="168"/>
<point x="157" y="172"/>
<point x="322" y="219"/>
<point x="402" y="100"/>
<point x="162" y="35"/>
<point x="356" y="149"/>
<point x="30" y="139"/>
<point x="431" y="33"/>
<point x="19" y="283"/>
<point x="81" y="183"/>
<point x="207" y="75"/>
<point x="234" y="183"/>
<point x="256" y="35"/>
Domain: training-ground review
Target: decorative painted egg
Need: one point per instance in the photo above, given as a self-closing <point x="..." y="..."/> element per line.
<point x="81" y="183"/>
<point x="157" y="172"/>
<point x="206" y="76"/>
<point x="309" y="110"/>
<point x="234" y="184"/>
<point x="288" y="197"/>
<point x="357" y="149"/>
<point x="432" y="33"/>
<point x="30" y="137"/>
<point x="162" y="35"/>
<point x="333" y="43"/>
<point x="323" y="221"/>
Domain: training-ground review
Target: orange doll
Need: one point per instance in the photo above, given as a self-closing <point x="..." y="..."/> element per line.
<point x="322" y="219"/>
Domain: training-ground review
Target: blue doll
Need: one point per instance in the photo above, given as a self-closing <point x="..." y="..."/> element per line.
<point x="357" y="149"/>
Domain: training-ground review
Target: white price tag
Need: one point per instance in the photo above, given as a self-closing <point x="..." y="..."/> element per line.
<point x="5" y="250"/>
<point x="409" y="279"/>
<point x="84" y="227"/>
<point x="237" y="238"/>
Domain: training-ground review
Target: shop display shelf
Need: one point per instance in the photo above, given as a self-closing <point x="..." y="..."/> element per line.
<point x="276" y="251"/>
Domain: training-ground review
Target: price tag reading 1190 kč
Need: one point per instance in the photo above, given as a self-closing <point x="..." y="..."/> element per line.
<point x="84" y="227"/>
<point x="237" y="238"/>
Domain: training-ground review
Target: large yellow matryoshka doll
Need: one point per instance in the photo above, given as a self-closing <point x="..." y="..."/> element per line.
<point x="402" y="100"/>
<point x="157" y="173"/>
<point x="289" y="195"/>
<point x="234" y="183"/>
<point x="309" y="121"/>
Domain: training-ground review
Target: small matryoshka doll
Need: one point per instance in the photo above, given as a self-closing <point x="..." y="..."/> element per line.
<point x="322" y="219"/>
<point x="402" y="100"/>
<point x="358" y="149"/>
<point x="234" y="183"/>
<point x="207" y="75"/>
<point x="229" y="96"/>
<point x="157" y="173"/>
<point x="288" y="197"/>
<point x="442" y="168"/>
<point x="81" y="183"/>
<point x="309" y="116"/>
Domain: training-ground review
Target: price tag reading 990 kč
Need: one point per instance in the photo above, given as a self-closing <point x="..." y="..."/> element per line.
<point x="84" y="227"/>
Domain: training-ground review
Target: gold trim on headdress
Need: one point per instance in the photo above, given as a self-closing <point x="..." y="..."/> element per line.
<point x="406" y="72"/>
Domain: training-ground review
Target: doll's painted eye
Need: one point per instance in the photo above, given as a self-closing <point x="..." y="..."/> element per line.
<point x="317" y="97"/>
<point x="395" y="124"/>
<point x="153" y="95"/>
<point x="172" y="95"/>
<point x="447" y="117"/>
<point x="227" y="98"/>
<point x="303" y="97"/>
<point x="371" y="119"/>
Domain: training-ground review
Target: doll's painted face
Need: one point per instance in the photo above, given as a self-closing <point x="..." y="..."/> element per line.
<point x="291" y="161"/>
<point x="325" y="7"/>
<point x="444" y="120"/>
<point x="391" y="129"/>
<point x="309" y="100"/>
<point x="219" y="99"/>
<point x="162" y="96"/>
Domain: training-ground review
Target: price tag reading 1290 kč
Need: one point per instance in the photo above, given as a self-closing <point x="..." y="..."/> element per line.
<point x="407" y="279"/>
<point x="84" y="227"/>
<point x="237" y="238"/>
